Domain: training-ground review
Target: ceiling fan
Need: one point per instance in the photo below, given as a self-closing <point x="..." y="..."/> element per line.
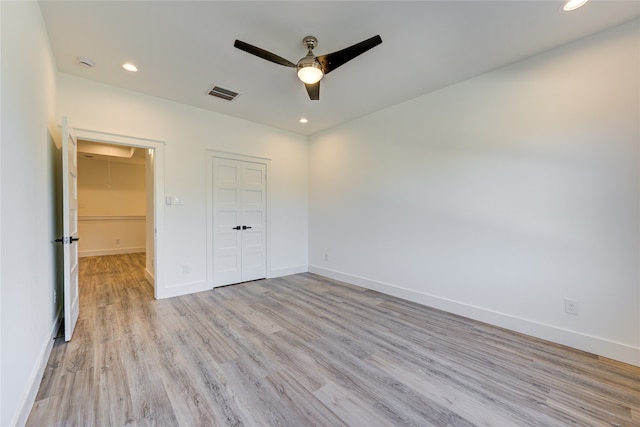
<point x="312" y="68"/>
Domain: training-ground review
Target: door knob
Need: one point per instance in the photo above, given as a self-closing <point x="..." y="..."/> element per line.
<point x="236" y="228"/>
<point x="244" y="227"/>
<point x="69" y="240"/>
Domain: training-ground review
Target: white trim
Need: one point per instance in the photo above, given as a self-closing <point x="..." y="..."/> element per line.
<point x="287" y="271"/>
<point x="103" y="252"/>
<point x="238" y="156"/>
<point x="210" y="155"/>
<point x="33" y="383"/>
<point x="112" y="218"/>
<point x="158" y="181"/>
<point x="114" y="138"/>
<point x="186" y="288"/>
<point x="600" y="346"/>
<point x="149" y="276"/>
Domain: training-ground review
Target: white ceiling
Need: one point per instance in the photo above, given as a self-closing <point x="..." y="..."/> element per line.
<point x="98" y="151"/>
<point x="182" y="48"/>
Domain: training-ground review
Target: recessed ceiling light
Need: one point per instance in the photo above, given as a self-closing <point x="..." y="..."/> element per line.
<point x="304" y="120"/>
<point x="130" y="67"/>
<point x="570" y="5"/>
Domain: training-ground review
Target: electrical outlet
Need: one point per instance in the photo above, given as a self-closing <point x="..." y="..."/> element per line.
<point x="117" y="241"/>
<point x="326" y="257"/>
<point x="185" y="269"/>
<point x="571" y="306"/>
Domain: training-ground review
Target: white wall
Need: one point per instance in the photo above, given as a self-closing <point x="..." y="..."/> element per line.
<point x="27" y="254"/>
<point x="188" y="133"/>
<point x="110" y="188"/>
<point x="111" y="235"/>
<point x="111" y="207"/>
<point x="498" y="197"/>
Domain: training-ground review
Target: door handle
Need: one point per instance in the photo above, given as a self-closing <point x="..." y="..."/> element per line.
<point x="70" y="240"/>
<point x="244" y="227"/>
<point x="237" y="228"/>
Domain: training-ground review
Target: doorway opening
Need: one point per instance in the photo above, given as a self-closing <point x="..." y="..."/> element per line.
<point x="139" y="228"/>
<point x="114" y="184"/>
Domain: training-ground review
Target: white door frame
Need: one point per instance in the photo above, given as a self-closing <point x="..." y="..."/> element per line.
<point x="211" y="154"/>
<point x="158" y="191"/>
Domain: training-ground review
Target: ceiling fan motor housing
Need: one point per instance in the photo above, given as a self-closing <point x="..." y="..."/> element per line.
<point x="308" y="61"/>
<point x="310" y="42"/>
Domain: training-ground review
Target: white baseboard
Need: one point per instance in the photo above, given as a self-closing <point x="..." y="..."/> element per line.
<point x="149" y="276"/>
<point x="192" y="287"/>
<point x="113" y="251"/>
<point x="600" y="346"/>
<point x="183" y="289"/>
<point x="33" y="384"/>
<point x="287" y="271"/>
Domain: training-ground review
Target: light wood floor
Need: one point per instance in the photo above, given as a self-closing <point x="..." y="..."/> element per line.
<point x="308" y="351"/>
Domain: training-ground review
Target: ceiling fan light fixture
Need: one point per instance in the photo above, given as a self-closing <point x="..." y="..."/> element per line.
<point x="309" y="70"/>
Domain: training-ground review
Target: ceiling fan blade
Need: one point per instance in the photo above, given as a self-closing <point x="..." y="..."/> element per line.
<point x="263" y="53"/>
<point x="313" y="90"/>
<point x="333" y="60"/>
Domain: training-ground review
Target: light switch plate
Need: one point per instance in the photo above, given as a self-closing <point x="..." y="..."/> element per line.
<point x="173" y="200"/>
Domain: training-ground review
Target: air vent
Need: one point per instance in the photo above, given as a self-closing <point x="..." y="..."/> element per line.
<point x="226" y="94"/>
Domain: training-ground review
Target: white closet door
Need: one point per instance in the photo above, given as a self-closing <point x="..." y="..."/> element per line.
<point x="239" y="219"/>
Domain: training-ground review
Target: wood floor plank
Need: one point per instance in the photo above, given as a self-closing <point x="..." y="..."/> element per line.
<point x="305" y="350"/>
<point x="294" y="398"/>
<point x="151" y="405"/>
<point x="450" y="394"/>
<point x="348" y="406"/>
<point x="397" y="398"/>
<point x="79" y="354"/>
<point x="82" y="409"/>
<point x="113" y="395"/>
<point x="107" y="325"/>
<point x="184" y="388"/>
<point x="51" y="378"/>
